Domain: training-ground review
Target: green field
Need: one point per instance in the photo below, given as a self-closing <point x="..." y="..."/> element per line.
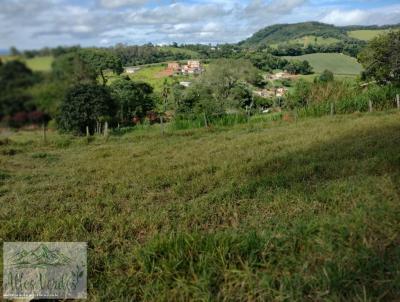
<point x="366" y="35"/>
<point x="266" y="211"/>
<point x="40" y="63"/>
<point x="36" y="64"/>
<point x="339" y="64"/>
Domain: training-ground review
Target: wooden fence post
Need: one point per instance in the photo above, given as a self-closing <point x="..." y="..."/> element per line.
<point x="87" y="131"/>
<point x="332" y="109"/>
<point x="370" y="106"/>
<point x="398" y="101"/>
<point x="205" y="120"/>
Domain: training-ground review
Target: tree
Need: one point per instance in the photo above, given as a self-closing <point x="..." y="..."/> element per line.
<point x="15" y="78"/>
<point x="381" y="58"/>
<point x="85" y="105"/>
<point x="134" y="99"/>
<point x="14" y="51"/>
<point x="71" y="69"/>
<point x="100" y="61"/>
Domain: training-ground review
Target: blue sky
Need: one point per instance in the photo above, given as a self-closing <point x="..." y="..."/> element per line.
<point x="30" y="24"/>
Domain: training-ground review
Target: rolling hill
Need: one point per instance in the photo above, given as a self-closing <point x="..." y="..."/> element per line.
<point x="312" y="32"/>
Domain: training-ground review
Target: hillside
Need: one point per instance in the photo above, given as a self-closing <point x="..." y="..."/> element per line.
<point x="266" y="211"/>
<point x="295" y="34"/>
<point x="339" y="64"/>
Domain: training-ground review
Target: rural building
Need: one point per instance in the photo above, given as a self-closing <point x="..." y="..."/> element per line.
<point x="174" y="66"/>
<point x="192" y="67"/>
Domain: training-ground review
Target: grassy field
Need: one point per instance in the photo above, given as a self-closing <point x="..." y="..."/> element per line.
<point x="265" y="211"/>
<point x="36" y="64"/>
<point x="339" y="64"/>
<point x="40" y="63"/>
<point x="366" y="35"/>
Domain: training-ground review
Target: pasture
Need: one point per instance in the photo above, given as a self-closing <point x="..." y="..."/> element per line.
<point x="339" y="64"/>
<point x="40" y="63"/>
<point x="366" y="35"/>
<point x="264" y="211"/>
<point x="36" y="63"/>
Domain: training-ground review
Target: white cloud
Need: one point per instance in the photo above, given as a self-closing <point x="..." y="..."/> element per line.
<point x="37" y="23"/>
<point x="380" y="16"/>
<point x="120" y="3"/>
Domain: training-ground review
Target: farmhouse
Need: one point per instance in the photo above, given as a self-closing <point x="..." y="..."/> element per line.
<point x="192" y="67"/>
<point x="174" y="66"/>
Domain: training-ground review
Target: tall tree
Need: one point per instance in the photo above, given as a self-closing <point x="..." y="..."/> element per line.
<point x="85" y="105"/>
<point x="101" y="61"/>
<point x="381" y="58"/>
<point x="134" y="99"/>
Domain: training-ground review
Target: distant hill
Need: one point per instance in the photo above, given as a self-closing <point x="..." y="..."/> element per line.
<point x="311" y="32"/>
<point x="3" y="52"/>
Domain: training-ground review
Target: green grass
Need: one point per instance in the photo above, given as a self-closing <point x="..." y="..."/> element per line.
<point x="339" y="64"/>
<point x="266" y="211"/>
<point x="40" y="63"/>
<point x="366" y="35"/>
<point x="36" y="64"/>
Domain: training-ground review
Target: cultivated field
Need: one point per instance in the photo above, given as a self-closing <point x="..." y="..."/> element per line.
<point x="267" y="211"/>
<point x="339" y="64"/>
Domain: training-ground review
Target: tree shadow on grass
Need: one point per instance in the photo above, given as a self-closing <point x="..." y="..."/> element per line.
<point x="361" y="154"/>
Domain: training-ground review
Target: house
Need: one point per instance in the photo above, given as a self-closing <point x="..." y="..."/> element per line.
<point x="131" y="69"/>
<point x="192" y="67"/>
<point x="174" y="66"/>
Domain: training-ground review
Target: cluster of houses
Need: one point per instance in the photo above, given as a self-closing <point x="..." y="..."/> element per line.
<point x="192" y="67"/>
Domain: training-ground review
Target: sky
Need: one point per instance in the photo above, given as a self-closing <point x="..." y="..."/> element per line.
<point x="31" y="24"/>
